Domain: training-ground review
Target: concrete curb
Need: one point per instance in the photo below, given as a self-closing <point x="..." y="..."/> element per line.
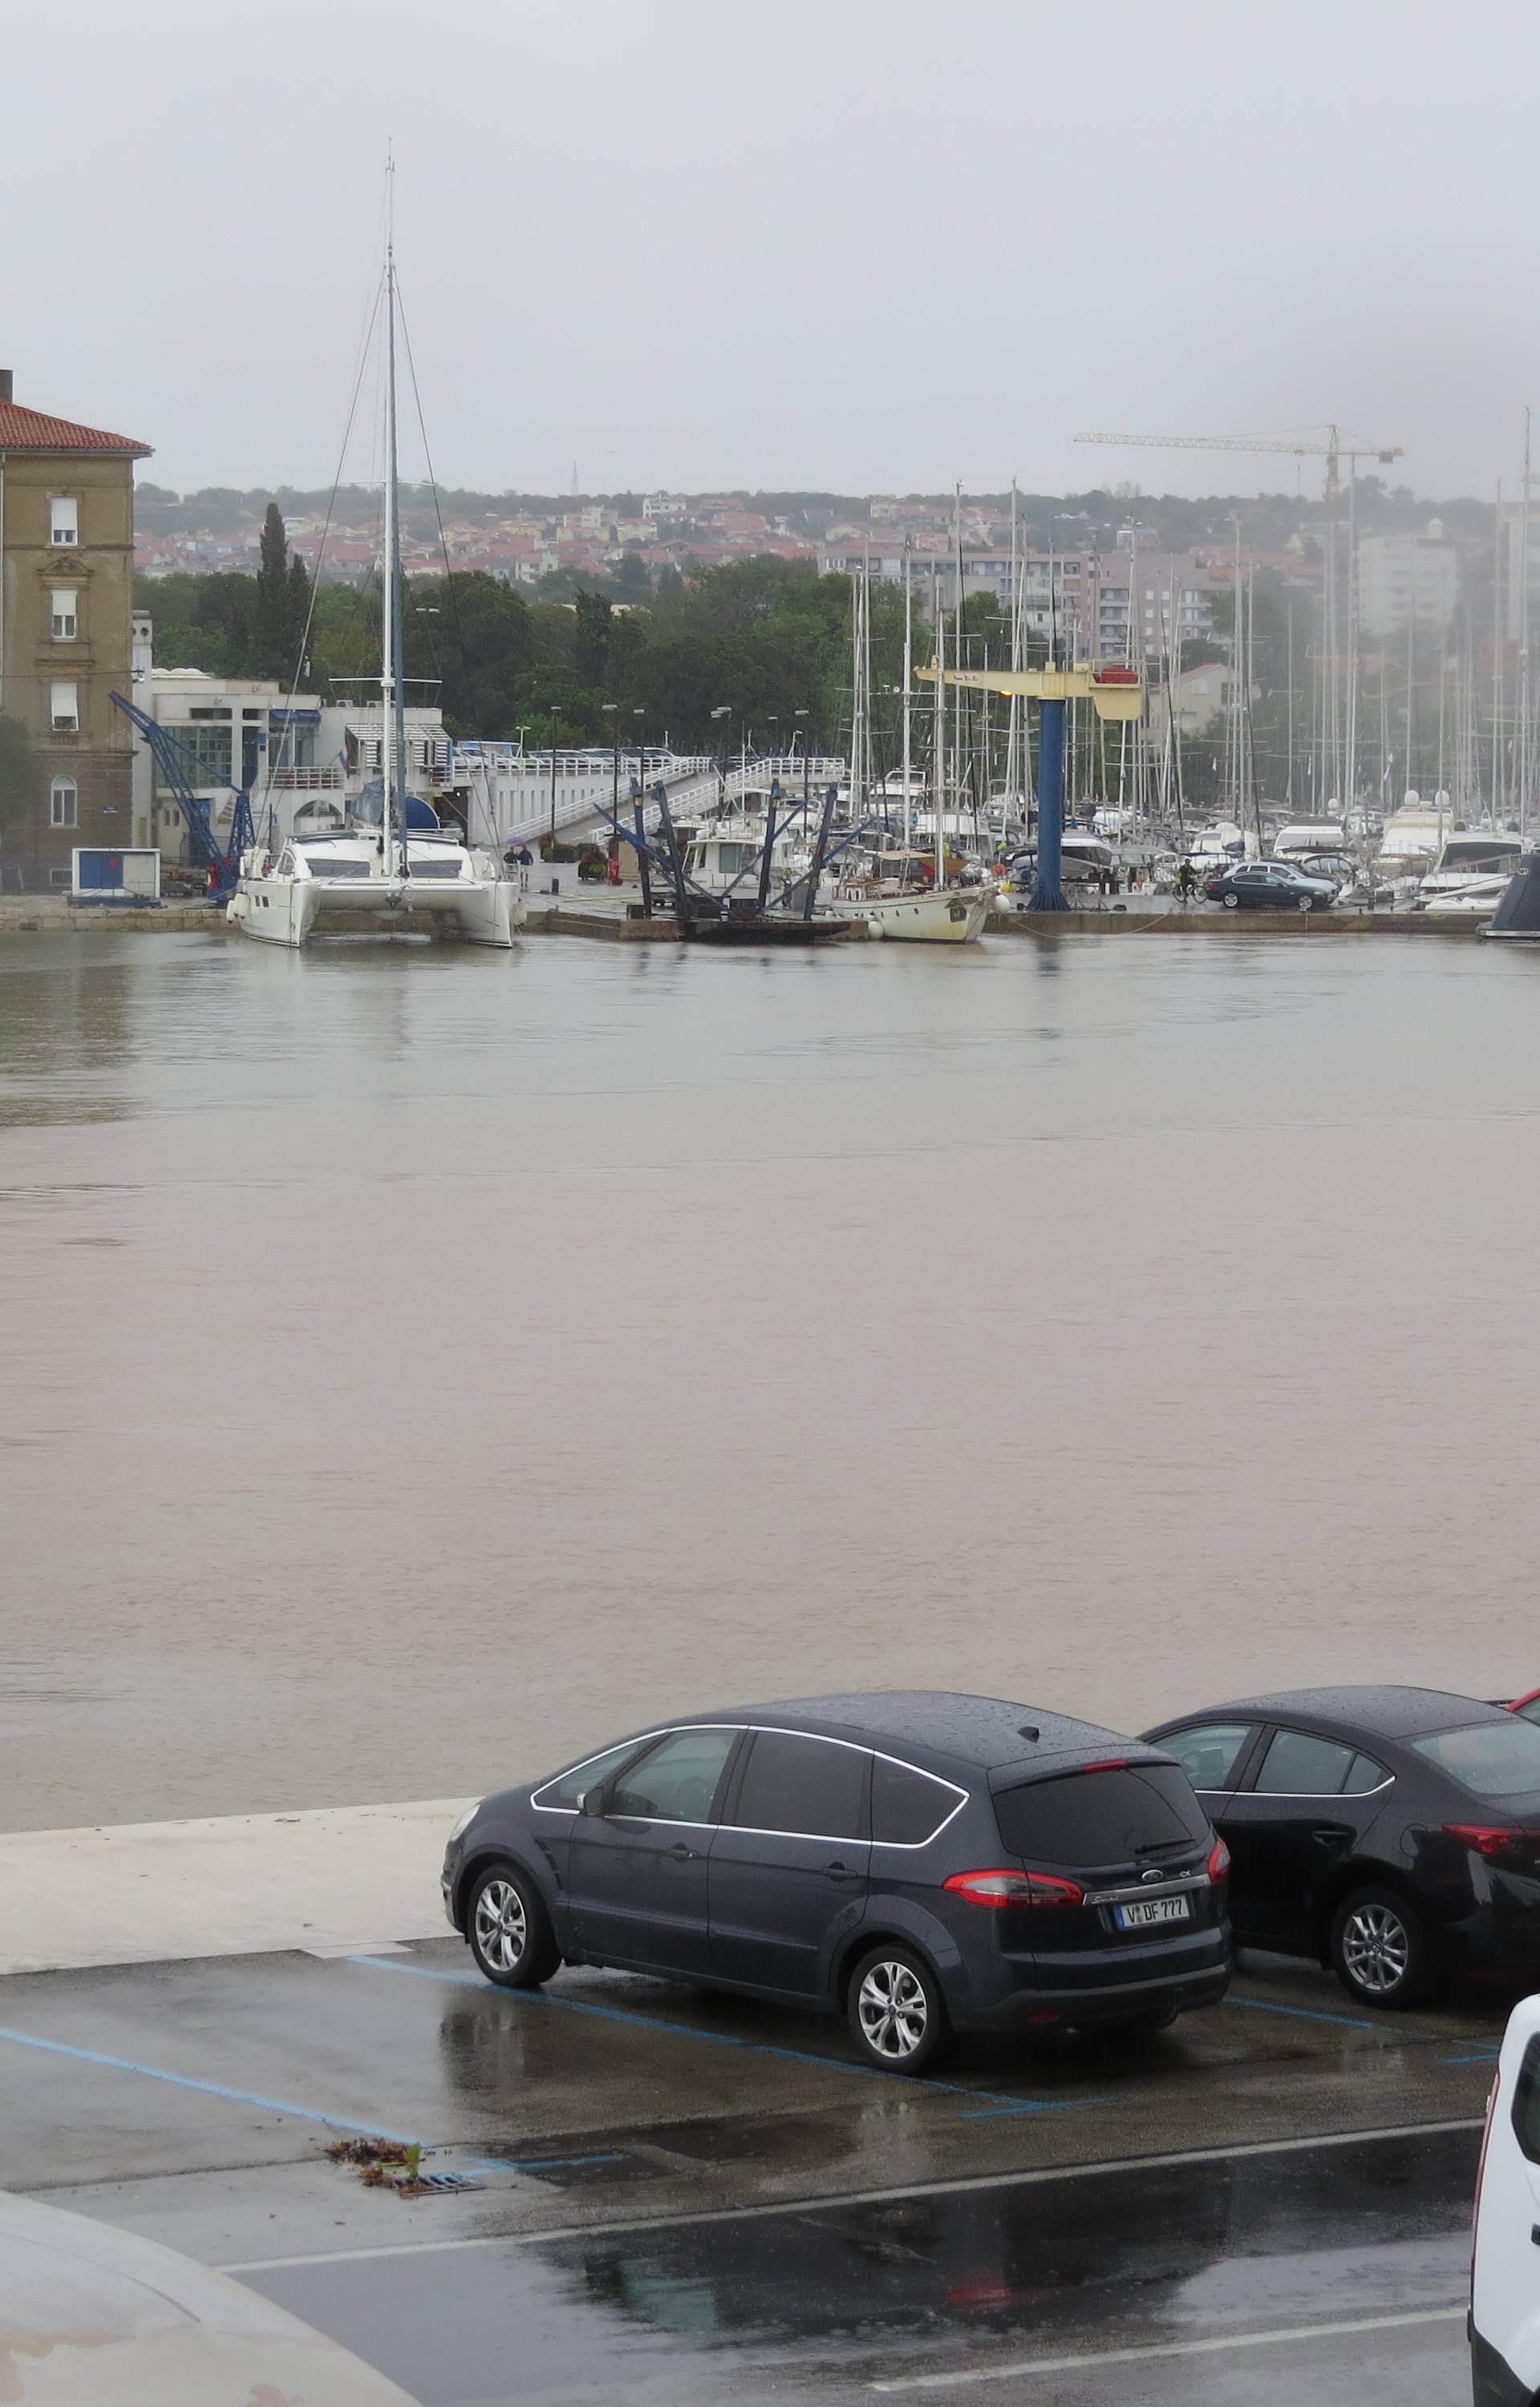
<point x="341" y="1877"/>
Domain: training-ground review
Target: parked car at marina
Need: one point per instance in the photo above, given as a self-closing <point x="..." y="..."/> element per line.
<point x="1270" y="886"/>
<point x="918" y="1862"/>
<point x="1393" y="1833"/>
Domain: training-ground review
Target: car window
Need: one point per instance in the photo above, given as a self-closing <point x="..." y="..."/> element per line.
<point x="1298" y="1765"/>
<point x="805" y="1787"/>
<point x="908" y="1807"/>
<point x="676" y="1780"/>
<point x="1526" y="2103"/>
<point x="563" y="1794"/>
<point x="1212" y="1754"/>
<point x="1496" y="1758"/>
<point x="1365" y="1774"/>
<point x="1087" y="1818"/>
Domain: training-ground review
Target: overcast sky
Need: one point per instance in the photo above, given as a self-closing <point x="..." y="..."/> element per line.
<point x="865" y="245"/>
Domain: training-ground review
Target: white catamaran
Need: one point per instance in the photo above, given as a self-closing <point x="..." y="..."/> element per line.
<point x="391" y="868"/>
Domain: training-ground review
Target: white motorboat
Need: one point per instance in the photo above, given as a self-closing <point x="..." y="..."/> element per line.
<point x="1477" y="898"/>
<point x="1470" y="859"/>
<point x="390" y="867"/>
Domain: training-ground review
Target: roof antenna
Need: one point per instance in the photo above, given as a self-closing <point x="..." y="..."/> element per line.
<point x="1028" y="1730"/>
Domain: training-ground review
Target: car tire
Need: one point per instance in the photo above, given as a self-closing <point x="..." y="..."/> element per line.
<point x="1148" y="2025"/>
<point x="509" y="1929"/>
<point x="896" y="2010"/>
<point x="1380" y="1951"/>
<point x="1307" y="902"/>
<point x="1232" y="901"/>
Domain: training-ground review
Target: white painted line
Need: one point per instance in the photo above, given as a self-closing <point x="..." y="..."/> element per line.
<point x="961" y="2186"/>
<point x="234" y="1885"/>
<point x="1295" y="2332"/>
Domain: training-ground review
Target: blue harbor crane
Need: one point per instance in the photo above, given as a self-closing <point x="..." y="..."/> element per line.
<point x="1116" y="693"/>
<point x="180" y="770"/>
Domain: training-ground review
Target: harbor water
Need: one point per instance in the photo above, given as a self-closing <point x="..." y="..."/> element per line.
<point x="421" y="1368"/>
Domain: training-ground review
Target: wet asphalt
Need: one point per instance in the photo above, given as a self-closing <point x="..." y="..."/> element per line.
<point x="637" y="2186"/>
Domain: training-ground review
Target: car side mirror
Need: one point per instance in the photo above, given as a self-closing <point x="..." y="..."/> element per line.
<point x="591" y="1801"/>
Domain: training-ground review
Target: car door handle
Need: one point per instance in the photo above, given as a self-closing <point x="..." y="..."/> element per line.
<point x="683" y="1854"/>
<point x="1331" y="1834"/>
<point x="839" y="1872"/>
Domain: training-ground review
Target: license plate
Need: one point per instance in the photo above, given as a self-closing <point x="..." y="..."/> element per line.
<point x="1154" y="1909"/>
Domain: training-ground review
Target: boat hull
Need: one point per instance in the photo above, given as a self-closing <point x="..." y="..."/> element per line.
<point x="945" y="918"/>
<point x="291" y="911"/>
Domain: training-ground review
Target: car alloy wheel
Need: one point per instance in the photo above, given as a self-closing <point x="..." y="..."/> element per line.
<point x="1232" y="901"/>
<point x="1377" y="1950"/>
<point x="1307" y="902"/>
<point x="894" y="2010"/>
<point x="501" y="1926"/>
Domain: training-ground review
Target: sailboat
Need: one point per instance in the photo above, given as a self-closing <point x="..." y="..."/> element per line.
<point x="391" y="868"/>
<point x="905" y="900"/>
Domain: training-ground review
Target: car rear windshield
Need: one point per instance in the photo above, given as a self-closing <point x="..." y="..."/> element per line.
<point x="1497" y="1758"/>
<point x="1088" y="1819"/>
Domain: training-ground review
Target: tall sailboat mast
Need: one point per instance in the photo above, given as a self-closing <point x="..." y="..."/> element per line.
<point x="392" y="680"/>
<point x="909" y="675"/>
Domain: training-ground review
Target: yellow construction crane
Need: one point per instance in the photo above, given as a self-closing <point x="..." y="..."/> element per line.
<point x="1334" y="450"/>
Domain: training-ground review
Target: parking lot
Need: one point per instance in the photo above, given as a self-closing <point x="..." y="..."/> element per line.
<point x="630" y="2178"/>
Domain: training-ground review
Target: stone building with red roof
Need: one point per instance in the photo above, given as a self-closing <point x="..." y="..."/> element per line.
<point x="67" y="599"/>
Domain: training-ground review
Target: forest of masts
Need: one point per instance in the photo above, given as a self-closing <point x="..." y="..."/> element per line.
<point x="1322" y="719"/>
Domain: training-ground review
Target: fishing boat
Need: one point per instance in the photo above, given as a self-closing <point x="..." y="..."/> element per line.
<point x="895" y="897"/>
<point x="391" y="868"/>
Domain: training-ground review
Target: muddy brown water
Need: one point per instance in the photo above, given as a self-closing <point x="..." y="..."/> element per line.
<point x="418" y="1369"/>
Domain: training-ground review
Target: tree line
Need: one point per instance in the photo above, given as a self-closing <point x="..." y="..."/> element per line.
<point x="761" y="647"/>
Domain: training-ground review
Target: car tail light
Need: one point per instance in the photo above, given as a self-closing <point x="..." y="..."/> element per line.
<point x="1000" y="1888"/>
<point x="1219" y="1860"/>
<point x="1518" y="1850"/>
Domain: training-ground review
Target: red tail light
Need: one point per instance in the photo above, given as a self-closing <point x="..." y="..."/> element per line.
<point x="1219" y="1861"/>
<point x="1000" y="1888"/>
<point x="1520" y="1850"/>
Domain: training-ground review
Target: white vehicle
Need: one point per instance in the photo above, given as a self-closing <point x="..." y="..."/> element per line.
<point x="1504" y="2324"/>
<point x="92" y="2316"/>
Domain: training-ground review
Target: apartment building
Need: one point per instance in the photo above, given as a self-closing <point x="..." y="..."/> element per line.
<point x="66" y="597"/>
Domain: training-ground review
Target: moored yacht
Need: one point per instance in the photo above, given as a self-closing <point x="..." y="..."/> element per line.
<point x="390" y="867"/>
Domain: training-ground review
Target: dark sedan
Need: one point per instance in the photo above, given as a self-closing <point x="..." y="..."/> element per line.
<point x="1270" y="886"/>
<point x="1393" y="1832"/>
<point x="915" y="1860"/>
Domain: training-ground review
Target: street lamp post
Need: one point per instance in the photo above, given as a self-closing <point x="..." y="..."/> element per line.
<point x="643" y="865"/>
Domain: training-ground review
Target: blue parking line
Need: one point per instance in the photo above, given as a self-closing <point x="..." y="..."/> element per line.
<point x="211" y="2088"/>
<point x="1303" y="2013"/>
<point x="1005" y="2102"/>
<point x="1482" y="2056"/>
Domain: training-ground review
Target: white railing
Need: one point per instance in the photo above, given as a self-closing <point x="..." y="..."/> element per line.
<point x="328" y="780"/>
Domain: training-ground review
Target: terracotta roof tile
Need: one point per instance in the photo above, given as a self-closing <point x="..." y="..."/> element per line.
<point x="33" y="430"/>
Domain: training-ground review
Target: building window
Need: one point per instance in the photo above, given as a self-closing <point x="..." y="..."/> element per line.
<point x="66" y="624"/>
<point x="64" y="707"/>
<point x="58" y="876"/>
<point x="64" y="519"/>
<point x="63" y="804"/>
<point x="204" y="752"/>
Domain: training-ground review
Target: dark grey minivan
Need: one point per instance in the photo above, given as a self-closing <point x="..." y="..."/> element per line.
<point x="917" y="1860"/>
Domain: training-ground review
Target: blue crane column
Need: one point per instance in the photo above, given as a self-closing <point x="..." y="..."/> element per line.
<point x="1047" y="884"/>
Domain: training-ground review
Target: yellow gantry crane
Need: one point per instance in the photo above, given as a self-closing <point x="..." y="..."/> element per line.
<point x="1113" y="692"/>
<point x="1334" y="450"/>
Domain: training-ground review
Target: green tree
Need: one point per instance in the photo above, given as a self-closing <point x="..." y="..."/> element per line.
<point x="280" y="604"/>
<point x="591" y="647"/>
